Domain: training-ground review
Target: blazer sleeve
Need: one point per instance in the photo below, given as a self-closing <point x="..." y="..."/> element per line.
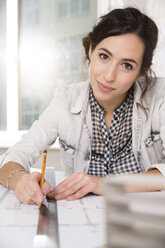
<point x="161" y="166"/>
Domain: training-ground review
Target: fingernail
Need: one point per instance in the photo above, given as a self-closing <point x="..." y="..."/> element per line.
<point x="45" y="191"/>
<point x="39" y="198"/>
<point x="57" y="197"/>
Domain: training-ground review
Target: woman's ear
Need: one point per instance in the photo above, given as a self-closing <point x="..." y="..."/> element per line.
<point x="142" y="73"/>
<point x="139" y="76"/>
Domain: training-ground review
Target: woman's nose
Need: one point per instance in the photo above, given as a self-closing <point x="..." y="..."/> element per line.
<point x="110" y="73"/>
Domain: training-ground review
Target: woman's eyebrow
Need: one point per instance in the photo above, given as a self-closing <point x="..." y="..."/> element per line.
<point x="125" y="59"/>
<point x="130" y="60"/>
<point x="106" y="50"/>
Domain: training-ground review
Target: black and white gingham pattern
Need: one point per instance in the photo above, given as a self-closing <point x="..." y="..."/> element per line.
<point x="112" y="152"/>
<point x="97" y="149"/>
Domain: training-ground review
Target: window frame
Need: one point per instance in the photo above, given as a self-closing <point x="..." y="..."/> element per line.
<point x="12" y="132"/>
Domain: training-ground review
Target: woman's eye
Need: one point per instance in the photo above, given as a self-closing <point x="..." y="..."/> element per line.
<point x="103" y="56"/>
<point x="127" y="66"/>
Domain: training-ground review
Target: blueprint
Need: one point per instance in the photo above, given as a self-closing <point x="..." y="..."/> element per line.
<point x="81" y="222"/>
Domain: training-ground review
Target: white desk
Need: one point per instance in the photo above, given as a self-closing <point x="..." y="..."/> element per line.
<point x="81" y="222"/>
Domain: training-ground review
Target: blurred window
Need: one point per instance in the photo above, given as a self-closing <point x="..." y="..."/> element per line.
<point x="69" y="8"/>
<point x="50" y="50"/>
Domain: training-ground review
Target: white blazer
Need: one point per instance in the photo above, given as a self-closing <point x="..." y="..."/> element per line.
<point x="69" y="117"/>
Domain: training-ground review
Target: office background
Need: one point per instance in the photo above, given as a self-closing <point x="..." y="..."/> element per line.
<point x="40" y="49"/>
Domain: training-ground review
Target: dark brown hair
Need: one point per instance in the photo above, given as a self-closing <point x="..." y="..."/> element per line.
<point x="123" y="21"/>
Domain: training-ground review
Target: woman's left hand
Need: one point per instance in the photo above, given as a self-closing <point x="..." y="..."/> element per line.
<point x="76" y="186"/>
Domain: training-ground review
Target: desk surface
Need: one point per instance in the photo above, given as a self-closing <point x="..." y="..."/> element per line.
<point x="81" y="222"/>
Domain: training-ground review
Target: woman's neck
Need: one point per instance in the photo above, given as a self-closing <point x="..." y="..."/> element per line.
<point x="110" y="106"/>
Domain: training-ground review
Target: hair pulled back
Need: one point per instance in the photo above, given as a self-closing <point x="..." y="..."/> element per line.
<point x="123" y="21"/>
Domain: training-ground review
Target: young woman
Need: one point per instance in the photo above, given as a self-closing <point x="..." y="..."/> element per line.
<point x="111" y="124"/>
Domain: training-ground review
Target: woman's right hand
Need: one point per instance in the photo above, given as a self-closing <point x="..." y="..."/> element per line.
<point x="28" y="190"/>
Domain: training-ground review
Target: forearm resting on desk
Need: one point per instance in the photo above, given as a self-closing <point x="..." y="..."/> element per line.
<point x="80" y="184"/>
<point x="132" y="187"/>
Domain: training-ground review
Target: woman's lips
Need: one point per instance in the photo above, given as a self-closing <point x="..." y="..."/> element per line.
<point x="104" y="88"/>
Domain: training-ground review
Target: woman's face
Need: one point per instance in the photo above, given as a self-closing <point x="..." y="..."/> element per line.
<point x="115" y="64"/>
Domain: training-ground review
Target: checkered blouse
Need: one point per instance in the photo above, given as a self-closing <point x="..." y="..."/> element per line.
<point x="112" y="152"/>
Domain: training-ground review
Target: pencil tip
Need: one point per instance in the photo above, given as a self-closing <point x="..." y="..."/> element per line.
<point x="45" y="151"/>
<point x="39" y="205"/>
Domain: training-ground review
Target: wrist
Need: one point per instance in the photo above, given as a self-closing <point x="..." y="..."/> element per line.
<point x="99" y="185"/>
<point x="14" y="177"/>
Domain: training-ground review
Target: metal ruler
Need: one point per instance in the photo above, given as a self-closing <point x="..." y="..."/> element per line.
<point x="47" y="233"/>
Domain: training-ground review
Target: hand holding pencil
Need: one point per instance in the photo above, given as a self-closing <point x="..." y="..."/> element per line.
<point x="31" y="187"/>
